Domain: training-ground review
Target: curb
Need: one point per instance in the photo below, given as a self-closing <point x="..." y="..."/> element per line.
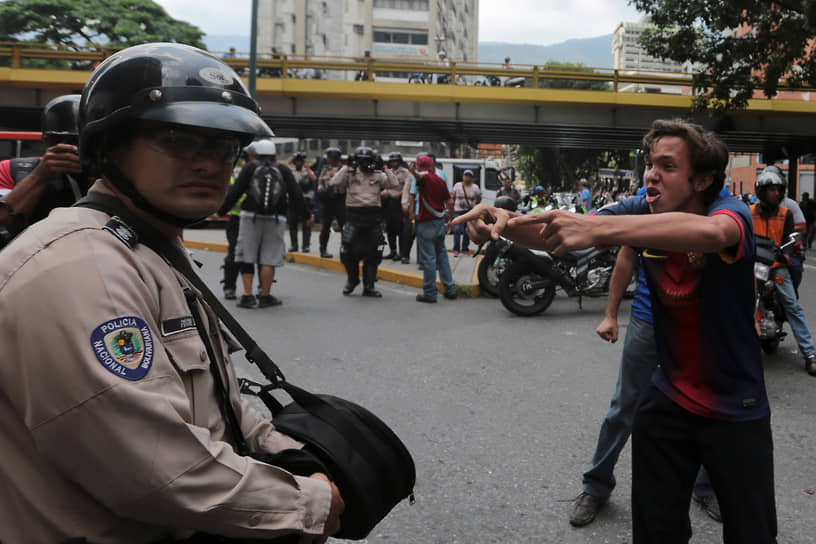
<point x="465" y="290"/>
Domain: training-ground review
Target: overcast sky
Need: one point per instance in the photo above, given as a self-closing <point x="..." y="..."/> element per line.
<point x="540" y="22"/>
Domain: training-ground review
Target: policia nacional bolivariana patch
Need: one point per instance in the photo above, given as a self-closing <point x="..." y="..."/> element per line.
<point x="124" y="346"/>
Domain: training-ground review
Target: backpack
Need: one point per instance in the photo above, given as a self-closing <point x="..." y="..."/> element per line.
<point x="267" y="190"/>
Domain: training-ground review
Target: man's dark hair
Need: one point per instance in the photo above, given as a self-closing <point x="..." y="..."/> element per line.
<point x="708" y="154"/>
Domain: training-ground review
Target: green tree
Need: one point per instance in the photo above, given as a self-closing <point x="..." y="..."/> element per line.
<point x="81" y="23"/>
<point x="558" y="169"/>
<point x="562" y="83"/>
<point x="700" y="31"/>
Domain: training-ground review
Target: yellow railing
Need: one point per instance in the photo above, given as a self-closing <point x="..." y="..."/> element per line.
<point x="18" y="55"/>
<point x="21" y="55"/>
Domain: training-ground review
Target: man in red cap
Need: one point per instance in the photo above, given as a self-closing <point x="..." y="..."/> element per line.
<point x="432" y="224"/>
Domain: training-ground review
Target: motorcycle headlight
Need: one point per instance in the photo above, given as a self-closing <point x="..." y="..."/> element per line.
<point x="761" y="271"/>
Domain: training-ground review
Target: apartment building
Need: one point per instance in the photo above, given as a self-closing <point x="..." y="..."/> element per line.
<point x="405" y="29"/>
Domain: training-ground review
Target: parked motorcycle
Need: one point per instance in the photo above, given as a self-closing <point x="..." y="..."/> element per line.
<point x="527" y="287"/>
<point x="493" y="264"/>
<point x="770" y="314"/>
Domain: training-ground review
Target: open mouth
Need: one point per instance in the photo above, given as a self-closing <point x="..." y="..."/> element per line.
<point x="652" y="195"/>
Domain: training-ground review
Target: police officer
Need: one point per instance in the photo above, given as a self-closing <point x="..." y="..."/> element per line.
<point x="30" y="187"/>
<point x="332" y="199"/>
<point x="307" y="181"/>
<point x="362" y="236"/>
<point x="128" y="442"/>
<point x="392" y="207"/>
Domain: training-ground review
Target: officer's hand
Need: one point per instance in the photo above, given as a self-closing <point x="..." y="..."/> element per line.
<point x="608" y="329"/>
<point x="335" y="510"/>
<point x="58" y="159"/>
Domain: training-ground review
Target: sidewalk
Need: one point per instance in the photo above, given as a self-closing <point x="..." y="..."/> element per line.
<point x="462" y="267"/>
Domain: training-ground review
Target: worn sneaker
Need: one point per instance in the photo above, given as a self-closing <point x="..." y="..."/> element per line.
<point x="325" y="254"/>
<point x="455" y="253"/>
<point x="710" y="506"/>
<point x="585" y="508"/>
<point x="264" y="301"/>
<point x="424" y="298"/>
<point x="306" y="249"/>
<point x="229" y="294"/>
<point x="247" y="301"/>
<point x="349" y="287"/>
<point x="450" y="296"/>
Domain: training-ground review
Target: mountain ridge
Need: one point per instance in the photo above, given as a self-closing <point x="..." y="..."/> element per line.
<point x="592" y="52"/>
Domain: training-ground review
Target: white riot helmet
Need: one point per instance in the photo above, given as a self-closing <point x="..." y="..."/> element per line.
<point x="261" y="148"/>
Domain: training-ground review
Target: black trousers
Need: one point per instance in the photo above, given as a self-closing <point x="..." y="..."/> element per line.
<point x="298" y="223"/>
<point x="668" y="446"/>
<point x="392" y="213"/>
<point x="232" y="268"/>
<point x="408" y="235"/>
<point x="331" y="207"/>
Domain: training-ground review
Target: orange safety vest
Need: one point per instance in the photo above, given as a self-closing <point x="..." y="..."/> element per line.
<point x="772" y="227"/>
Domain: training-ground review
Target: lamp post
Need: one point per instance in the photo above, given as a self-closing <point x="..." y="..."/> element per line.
<point x="253" y="46"/>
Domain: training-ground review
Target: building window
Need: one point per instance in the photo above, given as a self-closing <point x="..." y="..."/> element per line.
<point x="419" y="39"/>
<point x="401" y="37"/>
<point x="359" y="29"/>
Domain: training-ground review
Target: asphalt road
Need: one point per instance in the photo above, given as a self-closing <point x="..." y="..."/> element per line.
<point x="501" y="413"/>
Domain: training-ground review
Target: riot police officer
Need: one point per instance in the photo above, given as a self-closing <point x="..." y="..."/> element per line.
<point x="392" y="208"/>
<point x="362" y="236"/>
<point x="332" y="199"/>
<point x="30" y="187"/>
<point x="307" y="181"/>
<point x="143" y="437"/>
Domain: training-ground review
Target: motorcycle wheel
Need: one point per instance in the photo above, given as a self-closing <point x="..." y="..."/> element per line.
<point x="516" y="294"/>
<point x="769" y="346"/>
<point x="490" y="271"/>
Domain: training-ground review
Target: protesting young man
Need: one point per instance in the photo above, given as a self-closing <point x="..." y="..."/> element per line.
<point x="707" y="404"/>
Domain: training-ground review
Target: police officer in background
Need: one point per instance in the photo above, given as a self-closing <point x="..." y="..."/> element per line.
<point x="30" y="187"/>
<point x="332" y="199"/>
<point x="362" y="236"/>
<point x="392" y="206"/>
<point x="132" y="441"/>
<point x="307" y="181"/>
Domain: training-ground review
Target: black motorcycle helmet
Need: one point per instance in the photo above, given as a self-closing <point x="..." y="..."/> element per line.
<point x="365" y="158"/>
<point x="160" y="82"/>
<point x="506" y="202"/>
<point x="59" y="120"/>
<point x="334" y="153"/>
<point x="394" y="156"/>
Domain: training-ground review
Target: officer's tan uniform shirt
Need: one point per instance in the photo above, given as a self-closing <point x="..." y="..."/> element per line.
<point x="362" y="189"/>
<point x="326" y="174"/>
<point x="109" y="422"/>
<point x="301" y="174"/>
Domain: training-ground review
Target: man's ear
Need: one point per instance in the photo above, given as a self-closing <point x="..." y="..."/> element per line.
<point x="702" y="182"/>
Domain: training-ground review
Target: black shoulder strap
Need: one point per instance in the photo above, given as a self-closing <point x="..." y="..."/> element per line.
<point x="161" y="245"/>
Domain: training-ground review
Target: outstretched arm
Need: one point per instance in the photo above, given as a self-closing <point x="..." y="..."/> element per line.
<point x="561" y="231"/>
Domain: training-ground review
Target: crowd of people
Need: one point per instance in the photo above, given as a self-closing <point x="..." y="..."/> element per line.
<point x="374" y="203"/>
<point x="137" y="438"/>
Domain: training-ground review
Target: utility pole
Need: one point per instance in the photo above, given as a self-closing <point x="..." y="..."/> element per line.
<point x="253" y="47"/>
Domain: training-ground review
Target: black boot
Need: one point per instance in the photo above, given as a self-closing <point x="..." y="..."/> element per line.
<point x="325" y="254"/>
<point x="352" y="275"/>
<point x="369" y="277"/>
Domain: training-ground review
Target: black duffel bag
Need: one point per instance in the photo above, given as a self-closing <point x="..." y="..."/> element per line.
<point x="370" y="465"/>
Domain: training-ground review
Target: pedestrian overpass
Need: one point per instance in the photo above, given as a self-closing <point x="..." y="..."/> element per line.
<point x="611" y="117"/>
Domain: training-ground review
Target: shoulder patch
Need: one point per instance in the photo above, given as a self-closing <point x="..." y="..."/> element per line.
<point x="122" y="230"/>
<point x="124" y="346"/>
<point x="177" y="325"/>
